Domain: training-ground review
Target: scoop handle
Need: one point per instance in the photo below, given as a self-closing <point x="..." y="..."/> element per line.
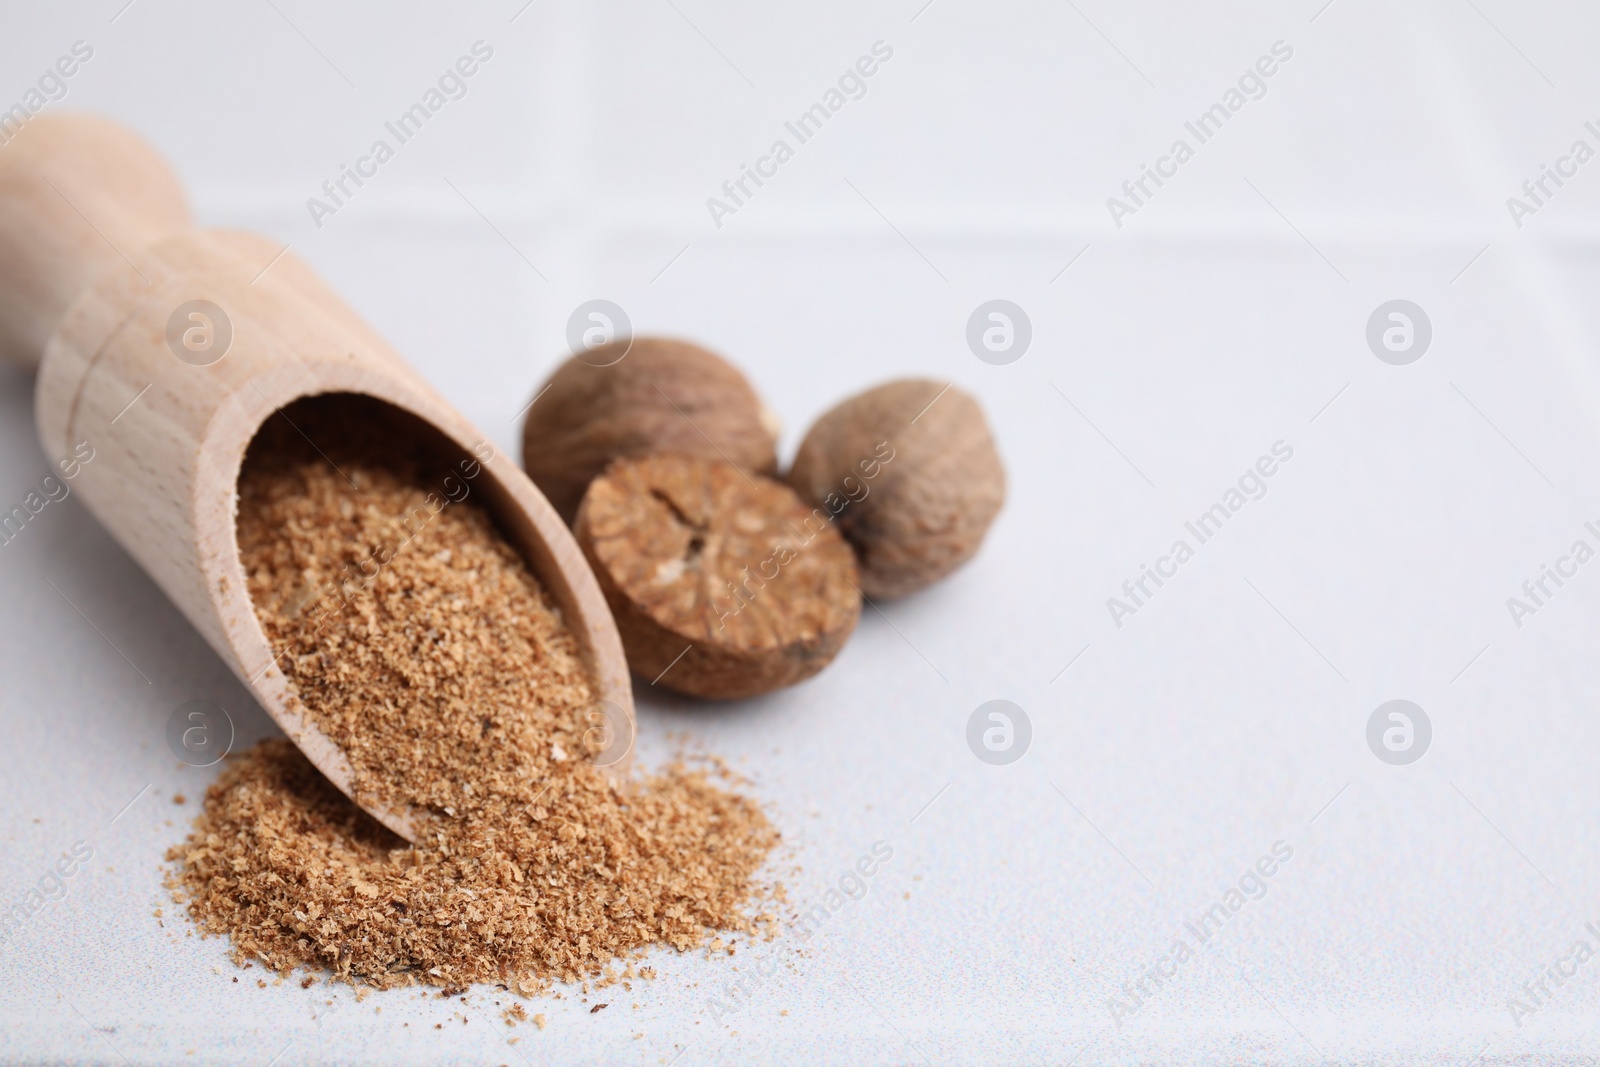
<point x="79" y="197"/>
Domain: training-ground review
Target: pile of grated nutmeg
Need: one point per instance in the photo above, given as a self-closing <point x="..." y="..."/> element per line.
<point x="448" y="677"/>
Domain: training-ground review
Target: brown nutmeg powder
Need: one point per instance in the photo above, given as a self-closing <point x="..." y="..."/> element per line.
<point x="415" y="636"/>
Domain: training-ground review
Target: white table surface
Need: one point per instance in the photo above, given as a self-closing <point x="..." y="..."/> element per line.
<point x="1228" y="714"/>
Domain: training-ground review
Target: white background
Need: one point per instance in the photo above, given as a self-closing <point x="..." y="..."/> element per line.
<point x="1227" y="314"/>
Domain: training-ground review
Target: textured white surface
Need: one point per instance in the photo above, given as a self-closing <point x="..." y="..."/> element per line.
<point x="1228" y="714"/>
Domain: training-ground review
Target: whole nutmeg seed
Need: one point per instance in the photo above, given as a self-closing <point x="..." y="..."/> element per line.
<point x="661" y="396"/>
<point x="723" y="583"/>
<point x="911" y="475"/>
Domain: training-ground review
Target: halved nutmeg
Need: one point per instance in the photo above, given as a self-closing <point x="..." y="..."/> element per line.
<point x="724" y="583"/>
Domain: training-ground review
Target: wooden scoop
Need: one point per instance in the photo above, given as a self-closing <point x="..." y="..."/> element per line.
<point x="165" y="348"/>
